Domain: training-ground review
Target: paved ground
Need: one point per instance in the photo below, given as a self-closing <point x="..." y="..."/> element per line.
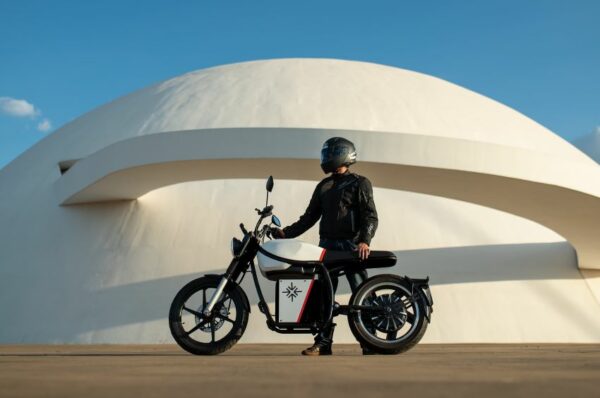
<point x="278" y="371"/>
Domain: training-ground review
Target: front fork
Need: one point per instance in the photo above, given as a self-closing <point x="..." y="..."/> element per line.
<point x="216" y="296"/>
<point x="231" y="274"/>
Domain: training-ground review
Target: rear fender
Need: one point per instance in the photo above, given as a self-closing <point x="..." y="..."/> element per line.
<point x="420" y="289"/>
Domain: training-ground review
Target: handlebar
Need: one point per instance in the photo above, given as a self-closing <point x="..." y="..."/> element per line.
<point x="265" y="212"/>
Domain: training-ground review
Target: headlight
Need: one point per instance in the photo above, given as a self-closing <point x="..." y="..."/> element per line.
<point x="236" y="246"/>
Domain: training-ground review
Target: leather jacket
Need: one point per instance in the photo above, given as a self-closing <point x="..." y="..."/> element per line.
<point x="345" y="205"/>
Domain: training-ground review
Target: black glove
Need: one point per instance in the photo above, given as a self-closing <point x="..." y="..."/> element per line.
<point x="277" y="233"/>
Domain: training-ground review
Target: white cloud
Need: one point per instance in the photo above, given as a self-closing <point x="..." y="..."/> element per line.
<point x="22" y="108"/>
<point x="44" y="125"/>
<point x="17" y="107"/>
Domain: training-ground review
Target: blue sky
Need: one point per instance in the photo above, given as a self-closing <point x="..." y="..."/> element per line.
<point x="64" y="58"/>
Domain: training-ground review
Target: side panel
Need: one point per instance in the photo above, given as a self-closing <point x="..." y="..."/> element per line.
<point x="292" y="296"/>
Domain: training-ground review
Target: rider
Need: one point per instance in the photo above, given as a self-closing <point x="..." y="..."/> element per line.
<point x="344" y="203"/>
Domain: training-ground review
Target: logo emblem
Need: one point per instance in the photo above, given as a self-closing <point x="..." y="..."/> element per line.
<point x="292" y="291"/>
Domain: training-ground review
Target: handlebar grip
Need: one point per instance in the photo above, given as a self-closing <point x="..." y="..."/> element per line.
<point x="243" y="229"/>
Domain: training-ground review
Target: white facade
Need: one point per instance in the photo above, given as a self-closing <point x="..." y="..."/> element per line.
<point x="590" y="144"/>
<point x="91" y="272"/>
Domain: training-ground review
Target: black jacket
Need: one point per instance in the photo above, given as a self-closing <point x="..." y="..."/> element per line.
<point x="346" y="208"/>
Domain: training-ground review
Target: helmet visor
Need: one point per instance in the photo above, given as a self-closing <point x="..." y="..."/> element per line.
<point x="330" y="153"/>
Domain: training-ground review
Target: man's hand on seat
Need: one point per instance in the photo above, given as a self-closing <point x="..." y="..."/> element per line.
<point x="363" y="251"/>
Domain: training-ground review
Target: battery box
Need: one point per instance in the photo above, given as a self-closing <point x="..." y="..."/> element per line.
<point x="299" y="301"/>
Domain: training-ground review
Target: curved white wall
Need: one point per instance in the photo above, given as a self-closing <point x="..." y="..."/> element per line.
<point x="106" y="273"/>
<point x="561" y="195"/>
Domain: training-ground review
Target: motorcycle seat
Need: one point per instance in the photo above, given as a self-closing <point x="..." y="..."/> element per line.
<point x="376" y="259"/>
<point x="334" y="259"/>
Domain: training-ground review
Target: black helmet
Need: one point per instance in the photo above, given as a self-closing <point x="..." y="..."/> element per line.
<point x="337" y="152"/>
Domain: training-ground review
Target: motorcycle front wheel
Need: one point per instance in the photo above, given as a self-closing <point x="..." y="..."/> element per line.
<point x="391" y="320"/>
<point x="208" y="335"/>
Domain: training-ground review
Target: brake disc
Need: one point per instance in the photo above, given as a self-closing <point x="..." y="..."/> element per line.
<point x="218" y="322"/>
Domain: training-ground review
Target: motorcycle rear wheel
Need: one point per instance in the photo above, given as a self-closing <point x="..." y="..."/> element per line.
<point x="202" y="335"/>
<point x="396" y="323"/>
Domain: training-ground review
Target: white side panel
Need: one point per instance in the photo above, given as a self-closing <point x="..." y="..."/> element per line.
<point x="293" y="294"/>
<point x="287" y="248"/>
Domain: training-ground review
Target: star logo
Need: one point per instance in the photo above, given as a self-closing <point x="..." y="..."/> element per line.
<point x="292" y="291"/>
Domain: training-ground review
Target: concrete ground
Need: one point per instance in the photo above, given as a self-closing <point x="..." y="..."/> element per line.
<point x="548" y="370"/>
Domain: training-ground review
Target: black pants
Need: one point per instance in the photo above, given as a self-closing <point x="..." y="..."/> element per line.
<point x="355" y="278"/>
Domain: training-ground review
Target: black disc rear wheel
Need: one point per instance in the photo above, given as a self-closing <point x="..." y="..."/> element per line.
<point x="392" y="319"/>
<point x="208" y="335"/>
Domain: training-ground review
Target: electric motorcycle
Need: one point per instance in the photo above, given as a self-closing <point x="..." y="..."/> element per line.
<point x="388" y="314"/>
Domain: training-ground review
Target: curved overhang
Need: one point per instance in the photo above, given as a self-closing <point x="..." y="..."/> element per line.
<point x="559" y="194"/>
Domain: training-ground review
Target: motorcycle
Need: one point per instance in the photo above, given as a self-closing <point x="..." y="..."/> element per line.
<point x="387" y="314"/>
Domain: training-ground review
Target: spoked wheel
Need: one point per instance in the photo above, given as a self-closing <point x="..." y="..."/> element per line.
<point x="208" y="335"/>
<point x="391" y="320"/>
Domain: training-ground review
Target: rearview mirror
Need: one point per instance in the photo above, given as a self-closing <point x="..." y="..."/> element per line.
<point x="270" y="184"/>
<point x="275" y="220"/>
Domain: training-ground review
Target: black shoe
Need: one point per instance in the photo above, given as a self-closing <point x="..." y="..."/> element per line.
<point x="323" y="342"/>
<point x="367" y="351"/>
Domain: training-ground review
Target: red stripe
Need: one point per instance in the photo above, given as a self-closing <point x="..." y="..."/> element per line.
<point x="322" y="255"/>
<point x="305" y="300"/>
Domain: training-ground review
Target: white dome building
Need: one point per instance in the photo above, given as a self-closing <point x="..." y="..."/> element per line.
<point x="105" y="219"/>
<point x="590" y="144"/>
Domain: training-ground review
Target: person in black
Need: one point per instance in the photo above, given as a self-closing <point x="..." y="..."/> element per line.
<point x="344" y="203"/>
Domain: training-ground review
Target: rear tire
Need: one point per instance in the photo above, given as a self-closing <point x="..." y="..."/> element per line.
<point x="189" y="337"/>
<point x="379" y="330"/>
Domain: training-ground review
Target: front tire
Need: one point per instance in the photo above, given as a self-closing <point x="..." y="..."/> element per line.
<point x="202" y="335"/>
<point x="396" y="321"/>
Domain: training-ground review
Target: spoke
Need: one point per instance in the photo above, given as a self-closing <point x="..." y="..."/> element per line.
<point x="212" y="330"/>
<point x="225" y="318"/>
<point x="203" y="298"/>
<point x="392" y="335"/>
<point x="394" y="324"/>
<point x="410" y="318"/>
<point x="387" y="300"/>
<point x="377" y="318"/>
<point x="198" y="326"/>
<point x="191" y="311"/>
<point x="399" y="319"/>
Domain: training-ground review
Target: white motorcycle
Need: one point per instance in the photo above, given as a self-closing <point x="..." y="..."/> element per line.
<point x="387" y="314"/>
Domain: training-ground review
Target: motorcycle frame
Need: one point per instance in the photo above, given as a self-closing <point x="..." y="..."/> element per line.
<point x="244" y="262"/>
